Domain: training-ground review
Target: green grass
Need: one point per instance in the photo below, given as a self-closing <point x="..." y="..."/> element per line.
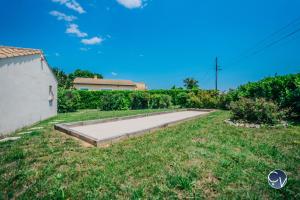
<point x="203" y="158"/>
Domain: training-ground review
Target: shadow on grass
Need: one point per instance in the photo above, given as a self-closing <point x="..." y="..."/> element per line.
<point x="295" y="121"/>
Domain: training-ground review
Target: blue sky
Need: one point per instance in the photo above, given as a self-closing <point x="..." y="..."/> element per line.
<point x="160" y="42"/>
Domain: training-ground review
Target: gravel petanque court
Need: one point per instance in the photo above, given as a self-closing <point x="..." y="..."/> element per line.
<point x="106" y="131"/>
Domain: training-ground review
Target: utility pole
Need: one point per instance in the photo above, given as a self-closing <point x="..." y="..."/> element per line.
<point x="217" y="70"/>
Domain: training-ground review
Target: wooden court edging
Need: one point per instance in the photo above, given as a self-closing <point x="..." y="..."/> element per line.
<point x="65" y="127"/>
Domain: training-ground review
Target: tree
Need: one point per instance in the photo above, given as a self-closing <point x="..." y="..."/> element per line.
<point x="190" y="83"/>
<point x="176" y="88"/>
<point x="62" y="78"/>
<point x="66" y="80"/>
<point x="84" y="74"/>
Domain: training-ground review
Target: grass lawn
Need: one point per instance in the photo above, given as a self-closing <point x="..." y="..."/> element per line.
<point x="203" y="158"/>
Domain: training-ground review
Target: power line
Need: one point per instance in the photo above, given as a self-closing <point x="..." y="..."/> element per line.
<point x="204" y="78"/>
<point x="277" y="41"/>
<point x="276" y="32"/>
<point x="272" y="44"/>
<point x="252" y="51"/>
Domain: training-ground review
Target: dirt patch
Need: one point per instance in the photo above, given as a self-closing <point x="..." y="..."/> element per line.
<point x="208" y="185"/>
<point x="199" y="140"/>
<point x="84" y="144"/>
<point x="104" y="145"/>
<point x="195" y="162"/>
<point x="237" y="149"/>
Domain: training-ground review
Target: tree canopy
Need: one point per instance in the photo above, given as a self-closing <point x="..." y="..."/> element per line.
<point x="190" y="83"/>
<point x="84" y="74"/>
<point x="66" y="80"/>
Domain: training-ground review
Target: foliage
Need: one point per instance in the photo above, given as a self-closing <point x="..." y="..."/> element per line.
<point x="203" y="99"/>
<point x="62" y="78"/>
<point x="84" y="74"/>
<point x="176" y="88"/>
<point x="257" y="111"/>
<point x="178" y="95"/>
<point x="90" y="99"/>
<point x="113" y="101"/>
<point x="68" y="100"/>
<point x="139" y="100"/>
<point x="66" y="80"/>
<point x="283" y="90"/>
<point x="225" y="99"/>
<point x="182" y="99"/>
<point x="160" y="101"/>
<point x="190" y="83"/>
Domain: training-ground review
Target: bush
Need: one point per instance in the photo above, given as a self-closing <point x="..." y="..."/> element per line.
<point x="292" y="100"/>
<point x="203" y="99"/>
<point x="193" y="101"/>
<point x="283" y="90"/>
<point x="68" y="100"/>
<point x="225" y="99"/>
<point x="139" y="100"/>
<point x="257" y="111"/>
<point x="113" y="101"/>
<point x="182" y="99"/>
<point x="208" y="99"/>
<point x="160" y="101"/>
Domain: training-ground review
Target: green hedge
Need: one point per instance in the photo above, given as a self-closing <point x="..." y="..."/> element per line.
<point x="283" y="90"/>
<point x="113" y="101"/>
<point x="68" y="100"/>
<point x="139" y="100"/>
<point x="160" y="101"/>
<point x="121" y="100"/>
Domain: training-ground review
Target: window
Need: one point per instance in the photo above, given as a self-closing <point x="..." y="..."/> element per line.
<point x="106" y="89"/>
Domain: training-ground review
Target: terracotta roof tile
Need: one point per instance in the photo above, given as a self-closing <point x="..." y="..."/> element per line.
<point x="7" y="52"/>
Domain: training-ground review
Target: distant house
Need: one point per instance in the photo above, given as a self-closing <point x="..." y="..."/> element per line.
<point x="27" y="88"/>
<point x="106" y="84"/>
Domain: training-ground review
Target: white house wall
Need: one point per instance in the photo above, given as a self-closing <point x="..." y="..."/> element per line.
<point x="24" y="92"/>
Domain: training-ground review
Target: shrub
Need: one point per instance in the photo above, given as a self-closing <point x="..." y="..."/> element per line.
<point x="292" y="101"/>
<point x="225" y="99"/>
<point x="257" y="111"/>
<point x="208" y="99"/>
<point x="182" y="99"/>
<point x="160" y="101"/>
<point x="193" y="101"/>
<point x="283" y="90"/>
<point x="139" y="100"/>
<point x="113" y="101"/>
<point x="68" y="100"/>
<point x="203" y="99"/>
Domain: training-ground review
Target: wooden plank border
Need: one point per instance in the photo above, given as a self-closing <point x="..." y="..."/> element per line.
<point x="66" y="127"/>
